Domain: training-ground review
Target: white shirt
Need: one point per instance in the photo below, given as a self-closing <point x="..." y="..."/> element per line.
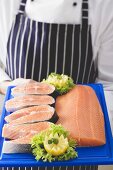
<point x="63" y="11"/>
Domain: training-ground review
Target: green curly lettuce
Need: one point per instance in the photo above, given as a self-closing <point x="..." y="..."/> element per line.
<point x="38" y="150"/>
<point x="61" y="82"/>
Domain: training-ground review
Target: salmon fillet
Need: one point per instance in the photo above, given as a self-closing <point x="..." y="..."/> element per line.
<point x="29" y="100"/>
<point x="33" y="88"/>
<point x="23" y="130"/>
<point x="29" y="111"/>
<point x="80" y="113"/>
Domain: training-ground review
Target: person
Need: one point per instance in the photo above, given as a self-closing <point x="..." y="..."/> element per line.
<point x="69" y="37"/>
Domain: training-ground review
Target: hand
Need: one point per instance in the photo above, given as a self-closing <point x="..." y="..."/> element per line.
<point x="4" y="85"/>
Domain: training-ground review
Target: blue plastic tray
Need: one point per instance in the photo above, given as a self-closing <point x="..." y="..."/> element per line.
<point x="101" y="155"/>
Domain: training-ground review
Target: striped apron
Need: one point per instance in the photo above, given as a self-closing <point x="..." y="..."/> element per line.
<point x="35" y="49"/>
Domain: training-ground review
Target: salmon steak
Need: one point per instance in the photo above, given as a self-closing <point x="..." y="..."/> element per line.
<point x="80" y="113"/>
<point x="26" y="101"/>
<point x="32" y="88"/>
<point x="23" y="130"/>
<point x="29" y="111"/>
<point x="34" y="118"/>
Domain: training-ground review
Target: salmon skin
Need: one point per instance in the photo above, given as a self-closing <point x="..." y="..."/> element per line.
<point x="23" y="130"/>
<point x="80" y="113"/>
<point x="32" y="88"/>
<point x="29" y="111"/>
<point x="13" y="147"/>
<point x="26" y="101"/>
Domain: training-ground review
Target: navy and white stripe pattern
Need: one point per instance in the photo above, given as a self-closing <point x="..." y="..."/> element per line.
<point x="36" y="49"/>
<point x="51" y="168"/>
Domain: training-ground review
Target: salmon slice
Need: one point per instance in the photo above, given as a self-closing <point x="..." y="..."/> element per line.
<point x="29" y="100"/>
<point x="19" y="131"/>
<point x="29" y="111"/>
<point x="34" y="117"/>
<point x="33" y="88"/>
<point x="80" y="113"/>
<point x="22" y="144"/>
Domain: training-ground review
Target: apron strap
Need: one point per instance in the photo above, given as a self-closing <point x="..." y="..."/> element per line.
<point x="85" y="11"/>
<point x="22" y="7"/>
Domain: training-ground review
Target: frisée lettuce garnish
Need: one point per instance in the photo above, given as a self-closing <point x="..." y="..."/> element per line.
<point x="53" y="144"/>
<point x="61" y="82"/>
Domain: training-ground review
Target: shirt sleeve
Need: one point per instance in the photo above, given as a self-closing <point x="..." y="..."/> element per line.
<point x="3" y="75"/>
<point x="105" y="58"/>
<point x="105" y="66"/>
<point x="8" y="11"/>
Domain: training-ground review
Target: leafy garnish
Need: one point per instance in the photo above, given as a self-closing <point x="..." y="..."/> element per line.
<point x="38" y="148"/>
<point x="61" y="82"/>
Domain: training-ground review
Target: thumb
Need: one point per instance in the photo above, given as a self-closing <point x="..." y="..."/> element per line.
<point x="3" y="86"/>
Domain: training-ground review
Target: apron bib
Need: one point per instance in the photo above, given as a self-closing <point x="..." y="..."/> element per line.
<point x="35" y="49"/>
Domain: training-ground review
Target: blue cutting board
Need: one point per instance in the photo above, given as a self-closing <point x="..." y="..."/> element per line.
<point x="102" y="155"/>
